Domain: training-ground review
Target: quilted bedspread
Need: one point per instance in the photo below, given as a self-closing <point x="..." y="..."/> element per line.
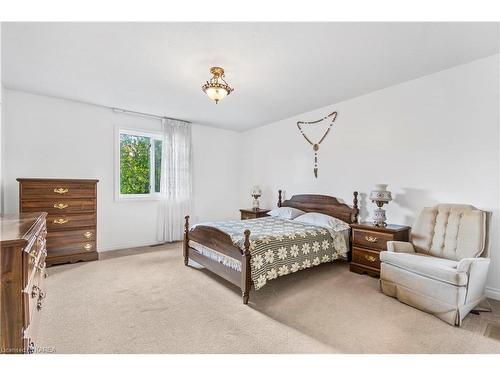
<point x="279" y="247"/>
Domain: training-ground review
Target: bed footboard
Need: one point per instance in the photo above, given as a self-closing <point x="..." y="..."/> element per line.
<point x="219" y="241"/>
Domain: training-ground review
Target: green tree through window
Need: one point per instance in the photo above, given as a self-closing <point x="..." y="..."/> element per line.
<point x="140" y="163"/>
<point x="158" y="146"/>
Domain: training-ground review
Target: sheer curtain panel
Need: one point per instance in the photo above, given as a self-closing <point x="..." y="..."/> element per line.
<point x="175" y="179"/>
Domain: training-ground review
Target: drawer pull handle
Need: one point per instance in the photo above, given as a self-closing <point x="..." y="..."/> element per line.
<point x="41" y="296"/>
<point x="31" y="347"/>
<point x="87" y="247"/>
<point x="87" y="234"/>
<point x="370" y="258"/>
<point x="60" y="206"/>
<point x="61" y="190"/>
<point x="34" y="291"/>
<point x="371" y="239"/>
<point x="60" y="221"/>
<point x="40" y="241"/>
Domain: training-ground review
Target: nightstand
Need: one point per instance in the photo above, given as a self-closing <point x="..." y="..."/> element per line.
<point x="250" y="213"/>
<point x="368" y="241"/>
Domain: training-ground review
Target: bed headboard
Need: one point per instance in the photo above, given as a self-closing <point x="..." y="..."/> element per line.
<point x="323" y="204"/>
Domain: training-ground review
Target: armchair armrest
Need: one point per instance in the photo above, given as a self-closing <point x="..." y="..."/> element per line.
<point x="466" y="264"/>
<point x="477" y="271"/>
<point x="400" y="247"/>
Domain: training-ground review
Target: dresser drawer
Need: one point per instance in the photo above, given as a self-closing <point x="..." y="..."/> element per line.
<point x="35" y="254"/>
<point x="34" y="294"/>
<point x="59" y="206"/>
<point x="62" y="222"/>
<point x="371" y="239"/>
<point x="370" y="258"/>
<point x="58" y="247"/>
<point x="57" y="190"/>
<point x="58" y="238"/>
<point x="31" y="331"/>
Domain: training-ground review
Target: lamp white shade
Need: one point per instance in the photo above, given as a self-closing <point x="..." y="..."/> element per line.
<point x="380" y="193"/>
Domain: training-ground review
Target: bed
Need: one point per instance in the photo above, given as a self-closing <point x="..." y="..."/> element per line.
<point x="253" y="252"/>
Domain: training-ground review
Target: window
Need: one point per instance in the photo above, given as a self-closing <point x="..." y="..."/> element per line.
<point x="139" y="169"/>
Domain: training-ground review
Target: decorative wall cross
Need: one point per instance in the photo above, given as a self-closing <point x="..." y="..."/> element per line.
<point x="333" y="116"/>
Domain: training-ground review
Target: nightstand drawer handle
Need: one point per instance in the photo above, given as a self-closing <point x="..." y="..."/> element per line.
<point x="371" y="239"/>
<point x="61" y="190"/>
<point x="370" y="258"/>
<point x="60" y="206"/>
<point x="87" y="247"/>
<point x="87" y="234"/>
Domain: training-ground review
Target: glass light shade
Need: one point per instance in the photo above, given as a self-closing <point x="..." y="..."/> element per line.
<point x="216" y="93"/>
<point x="256" y="190"/>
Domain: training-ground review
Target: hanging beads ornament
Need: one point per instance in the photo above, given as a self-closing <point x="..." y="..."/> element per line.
<point x="315" y="146"/>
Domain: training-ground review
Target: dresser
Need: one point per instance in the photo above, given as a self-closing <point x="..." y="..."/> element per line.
<point x="368" y="241"/>
<point x="72" y="216"/>
<point x="22" y="274"/>
<point x="250" y="213"/>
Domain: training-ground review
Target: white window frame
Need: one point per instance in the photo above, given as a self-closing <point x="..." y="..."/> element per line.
<point x="140" y="133"/>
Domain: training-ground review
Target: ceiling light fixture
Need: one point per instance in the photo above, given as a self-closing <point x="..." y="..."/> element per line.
<point x="215" y="89"/>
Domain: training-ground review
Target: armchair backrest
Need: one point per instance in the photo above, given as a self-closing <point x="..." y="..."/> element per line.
<point x="451" y="231"/>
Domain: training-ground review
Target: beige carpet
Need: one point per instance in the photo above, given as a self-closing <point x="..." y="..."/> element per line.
<point x="147" y="301"/>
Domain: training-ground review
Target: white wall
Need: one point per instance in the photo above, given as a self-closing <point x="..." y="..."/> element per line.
<point x="433" y="139"/>
<point x="1" y="125"/>
<point x="48" y="137"/>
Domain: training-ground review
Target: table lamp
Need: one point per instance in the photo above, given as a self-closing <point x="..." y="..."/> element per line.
<point x="256" y="193"/>
<point x="380" y="196"/>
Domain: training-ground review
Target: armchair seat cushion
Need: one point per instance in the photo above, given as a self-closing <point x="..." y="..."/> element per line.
<point x="440" y="269"/>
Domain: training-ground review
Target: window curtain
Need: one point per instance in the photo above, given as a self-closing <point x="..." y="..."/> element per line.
<point x="175" y="179"/>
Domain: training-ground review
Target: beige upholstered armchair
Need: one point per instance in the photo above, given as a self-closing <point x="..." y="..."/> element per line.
<point x="443" y="269"/>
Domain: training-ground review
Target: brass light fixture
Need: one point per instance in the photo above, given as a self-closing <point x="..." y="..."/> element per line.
<point x="217" y="88"/>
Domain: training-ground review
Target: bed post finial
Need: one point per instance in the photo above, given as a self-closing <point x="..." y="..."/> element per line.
<point x="279" y="198"/>
<point x="185" y="249"/>
<point x="246" y="280"/>
<point x="355" y="204"/>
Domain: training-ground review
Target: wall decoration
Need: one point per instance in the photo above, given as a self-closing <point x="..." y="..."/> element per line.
<point x="315" y="146"/>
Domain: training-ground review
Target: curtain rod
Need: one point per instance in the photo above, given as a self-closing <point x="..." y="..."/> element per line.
<point x="120" y="110"/>
<point x="114" y="109"/>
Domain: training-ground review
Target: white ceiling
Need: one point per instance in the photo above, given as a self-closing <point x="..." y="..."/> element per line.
<point x="277" y="69"/>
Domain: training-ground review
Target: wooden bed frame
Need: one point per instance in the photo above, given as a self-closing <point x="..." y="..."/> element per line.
<point x="217" y="240"/>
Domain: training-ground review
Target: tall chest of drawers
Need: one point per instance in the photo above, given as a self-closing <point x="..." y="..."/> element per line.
<point x="72" y="216"/>
<point x="22" y="275"/>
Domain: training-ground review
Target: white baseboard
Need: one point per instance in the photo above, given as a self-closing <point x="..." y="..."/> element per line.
<point x="102" y="249"/>
<point x="493" y="293"/>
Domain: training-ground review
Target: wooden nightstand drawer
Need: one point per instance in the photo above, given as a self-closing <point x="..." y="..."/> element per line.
<point x="371" y="239"/>
<point x="368" y="241"/>
<point x="253" y="214"/>
<point x="370" y="258"/>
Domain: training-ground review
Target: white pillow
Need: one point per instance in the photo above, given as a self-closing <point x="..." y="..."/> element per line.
<point x="329" y="222"/>
<point x="289" y="213"/>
